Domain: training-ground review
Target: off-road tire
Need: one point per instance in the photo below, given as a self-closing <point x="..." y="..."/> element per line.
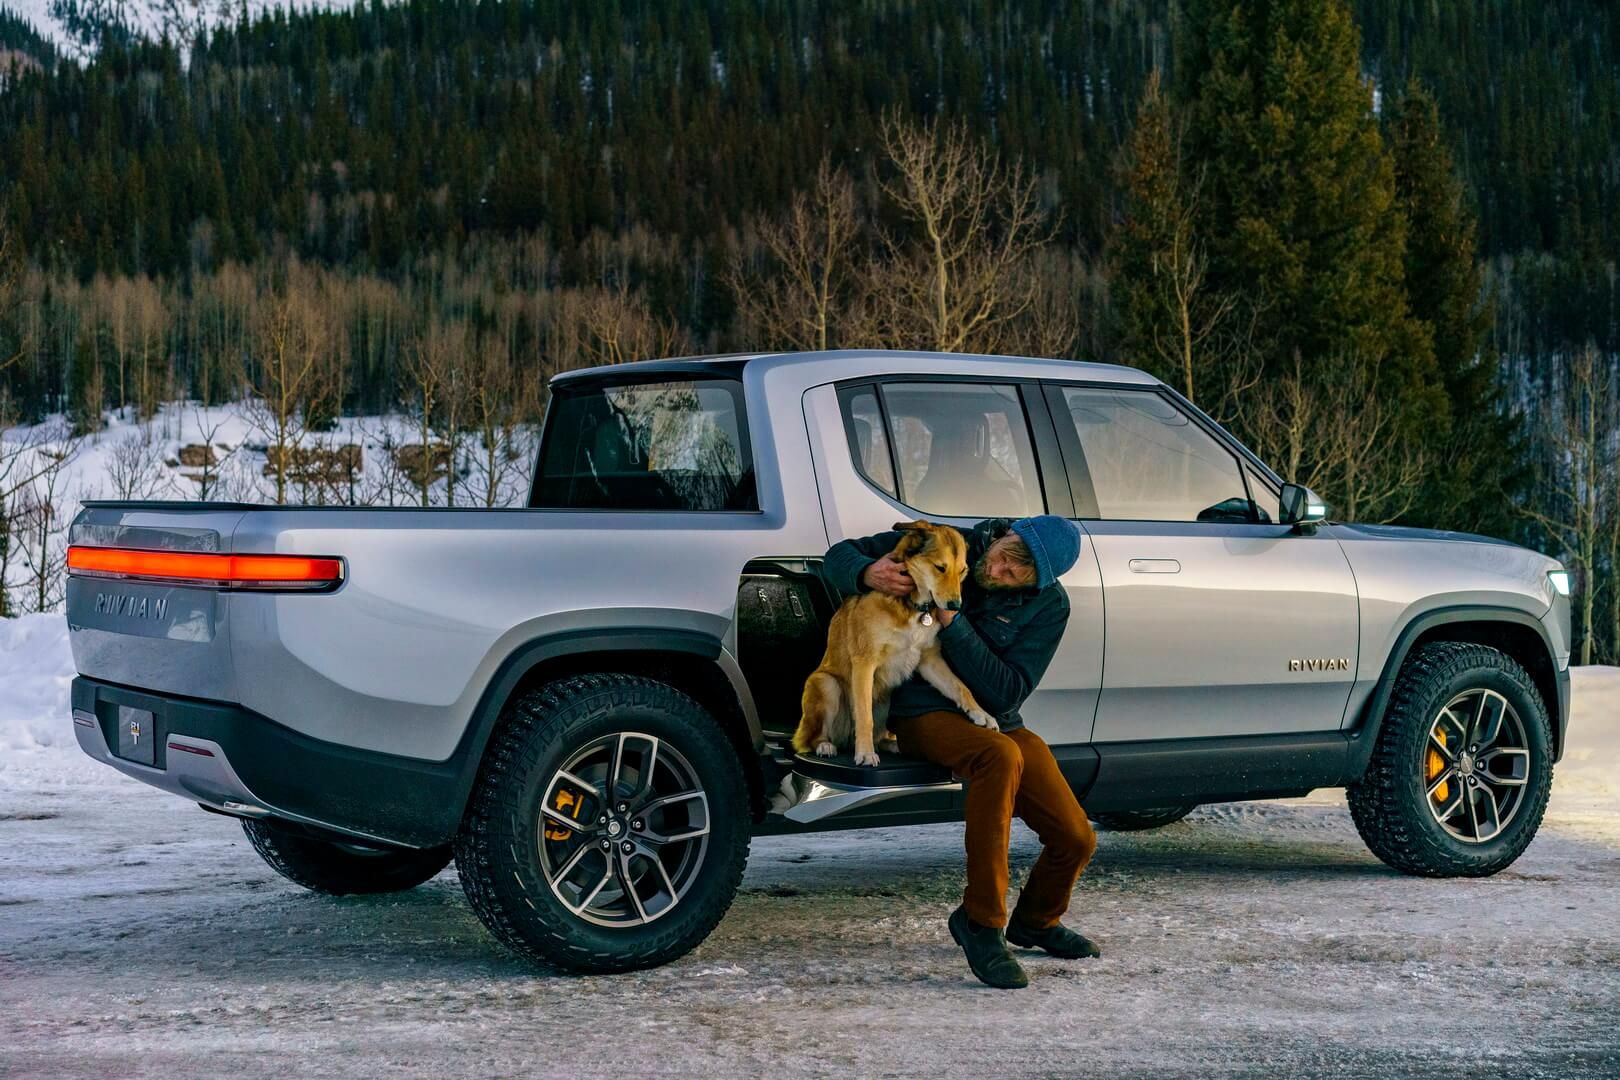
<point x="497" y="848"/>
<point x="340" y="868"/>
<point x="1388" y="803"/>
<point x="1139" y="820"/>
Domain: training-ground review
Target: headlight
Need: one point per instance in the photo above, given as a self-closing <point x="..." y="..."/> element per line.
<point x="1560" y="581"/>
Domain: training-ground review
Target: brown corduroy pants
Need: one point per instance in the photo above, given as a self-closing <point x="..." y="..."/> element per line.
<point x="1007" y="773"/>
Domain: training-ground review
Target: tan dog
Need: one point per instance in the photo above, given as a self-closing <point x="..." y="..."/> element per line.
<point x="876" y="641"/>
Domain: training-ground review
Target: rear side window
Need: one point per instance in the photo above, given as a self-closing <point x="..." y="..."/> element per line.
<point x="958" y="449"/>
<point x="675" y="445"/>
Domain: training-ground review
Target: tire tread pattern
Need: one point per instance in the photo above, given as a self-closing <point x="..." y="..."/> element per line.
<point x="1381" y="803"/>
<point x="323" y="867"/>
<point x="489" y="860"/>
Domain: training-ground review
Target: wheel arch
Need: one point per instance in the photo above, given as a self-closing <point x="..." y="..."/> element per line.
<point x="1509" y="630"/>
<point x="694" y="662"/>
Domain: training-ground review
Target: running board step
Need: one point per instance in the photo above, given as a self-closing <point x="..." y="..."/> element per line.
<point x="820" y="788"/>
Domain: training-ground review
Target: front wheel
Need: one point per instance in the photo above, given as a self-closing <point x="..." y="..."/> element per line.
<point x="1462" y="768"/>
<point x="337" y="866"/>
<point x="609" y="825"/>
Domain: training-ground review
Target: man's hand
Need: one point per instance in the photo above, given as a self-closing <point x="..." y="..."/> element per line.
<point x="945" y="616"/>
<point x="887" y="575"/>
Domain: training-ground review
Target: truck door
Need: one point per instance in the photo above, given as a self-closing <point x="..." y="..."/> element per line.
<point x="959" y="451"/>
<point x="1219" y="622"/>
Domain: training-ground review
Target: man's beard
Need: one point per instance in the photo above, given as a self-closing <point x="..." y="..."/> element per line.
<point x="981" y="575"/>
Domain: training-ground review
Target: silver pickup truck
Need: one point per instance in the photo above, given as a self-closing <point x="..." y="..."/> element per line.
<point x="586" y="702"/>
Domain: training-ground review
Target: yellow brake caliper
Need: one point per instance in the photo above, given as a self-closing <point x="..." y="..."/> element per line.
<point x="1437" y="765"/>
<point x="566" y="800"/>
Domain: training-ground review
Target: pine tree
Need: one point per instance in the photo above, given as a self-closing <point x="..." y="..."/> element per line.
<point x="1170" y="322"/>
<point x="1299" y="189"/>
<point x="1444" y="286"/>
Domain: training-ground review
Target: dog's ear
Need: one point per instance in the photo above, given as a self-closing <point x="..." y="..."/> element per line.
<point x="912" y="538"/>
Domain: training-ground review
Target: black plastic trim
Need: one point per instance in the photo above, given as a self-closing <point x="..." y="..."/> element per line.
<point x="404" y="800"/>
<point x="1364" y="735"/>
<point x="1141" y="775"/>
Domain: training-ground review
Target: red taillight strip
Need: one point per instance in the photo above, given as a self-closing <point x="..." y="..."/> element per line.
<point x="231" y="571"/>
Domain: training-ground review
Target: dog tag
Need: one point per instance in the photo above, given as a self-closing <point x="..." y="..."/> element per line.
<point x="927" y="618"/>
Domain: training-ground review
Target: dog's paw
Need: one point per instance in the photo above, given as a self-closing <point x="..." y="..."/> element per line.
<point x="889" y="744"/>
<point x="866" y="757"/>
<point x="985" y="720"/>
<point x="826" y="749"/>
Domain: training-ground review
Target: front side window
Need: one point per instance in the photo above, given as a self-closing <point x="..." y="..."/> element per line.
<point x="1267" y="509"/>
<point x="675" y="445"/>
<point x="959" y="449"/>
<point x="1148" y="461"/>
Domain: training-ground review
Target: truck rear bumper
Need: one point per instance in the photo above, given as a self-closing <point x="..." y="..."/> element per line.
<point x="233" y="760"/>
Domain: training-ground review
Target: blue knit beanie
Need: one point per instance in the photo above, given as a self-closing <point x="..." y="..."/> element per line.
<point x="1053" y="541"/>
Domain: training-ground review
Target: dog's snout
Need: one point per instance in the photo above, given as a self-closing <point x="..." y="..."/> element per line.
<point x="954" y="605"/>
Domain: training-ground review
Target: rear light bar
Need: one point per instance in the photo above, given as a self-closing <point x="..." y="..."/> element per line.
<point x="273" y="572"/>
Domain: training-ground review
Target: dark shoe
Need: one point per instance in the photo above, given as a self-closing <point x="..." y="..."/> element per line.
<point x="1058" y="940"/>
<point x="987" y="955"/>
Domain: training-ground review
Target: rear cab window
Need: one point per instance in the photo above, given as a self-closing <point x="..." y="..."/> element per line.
<point x="671" y="444"/>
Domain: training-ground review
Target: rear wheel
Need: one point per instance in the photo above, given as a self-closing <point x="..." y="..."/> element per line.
<point x="608" y="827"/>
<point x="340" y="867"/>
<point x="1138" y="820"/>
<point x="1462" y="768"/>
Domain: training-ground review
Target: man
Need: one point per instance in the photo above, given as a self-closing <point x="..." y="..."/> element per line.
<point x="1000" y="643"/>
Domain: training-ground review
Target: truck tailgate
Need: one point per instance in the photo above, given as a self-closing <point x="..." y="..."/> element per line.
<point x="170" y="639"/>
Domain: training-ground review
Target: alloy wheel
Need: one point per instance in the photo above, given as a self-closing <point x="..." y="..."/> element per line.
<point x="623" y="829"/>
<point x="1476" y="765"/>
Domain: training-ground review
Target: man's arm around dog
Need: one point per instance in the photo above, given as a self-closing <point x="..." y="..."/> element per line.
<point x="1001" y="676"/>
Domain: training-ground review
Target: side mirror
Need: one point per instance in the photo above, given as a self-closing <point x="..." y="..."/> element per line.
<point x="1301" y="507"/>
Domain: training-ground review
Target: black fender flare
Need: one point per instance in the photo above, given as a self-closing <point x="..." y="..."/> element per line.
<point x="469" y="751"/>
<point x="1362" y="738"/>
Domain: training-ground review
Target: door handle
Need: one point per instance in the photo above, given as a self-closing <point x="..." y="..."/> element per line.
<point x="1155" y="566"/>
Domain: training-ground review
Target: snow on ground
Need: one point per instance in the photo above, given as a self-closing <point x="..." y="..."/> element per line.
<point x="140" y="936"/>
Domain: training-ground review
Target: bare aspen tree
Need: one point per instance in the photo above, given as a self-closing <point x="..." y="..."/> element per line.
<point x="135" y="468"/>
<point x="956" y="283"/>
<point x="614" y="326"/>
<point x="1579" y="425"/>
<point x="289" y="376"/>
<point x="1377" y="471"/>
<point x="608" y="326"/>
<point x="1196" y="314"/>
<point x="496" y="409"/>
<point x="1050" y="326"/>
<point x="148" y="319"/>
<point x="21" y="463"/>
<point x="44" y="519"/>
<point x="437" y="389"/>
<point x="213" y="463"/>
<point x="813" y="249"/>
<point x="1336" y="435"/>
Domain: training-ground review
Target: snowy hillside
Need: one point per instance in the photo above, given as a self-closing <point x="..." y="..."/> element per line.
<point x="225" y="453"/>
